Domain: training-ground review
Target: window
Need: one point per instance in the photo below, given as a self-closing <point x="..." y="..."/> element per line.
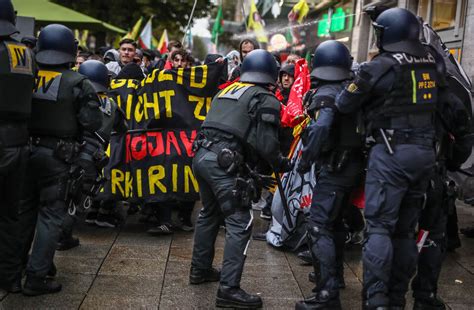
<point x="441" y="14"/>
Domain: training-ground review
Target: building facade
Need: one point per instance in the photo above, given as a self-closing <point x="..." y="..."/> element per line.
<point x="452" y="19"/>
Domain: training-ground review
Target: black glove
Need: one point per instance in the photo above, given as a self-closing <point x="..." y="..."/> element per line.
<point x="303" y="167"/>
<point x="284" y="165"/>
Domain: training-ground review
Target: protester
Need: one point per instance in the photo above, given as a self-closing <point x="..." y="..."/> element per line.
<point x="127" y="51"/>
<point x="179" y="59"/>
<point x="245" y="47"/>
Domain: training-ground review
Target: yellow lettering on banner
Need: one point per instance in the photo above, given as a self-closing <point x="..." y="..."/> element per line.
<point x="163" y="76"/>
<point x="132" y="84"/>
<point x="138" y="113"/>
<point x="128" y="110"/>
<point x="128" y="184"/>
<point x="116" y="178"/>
<point x="179" y="78"/>
<point x="151" y="104"/>
<point x="139" y="183"/>
<point x="151" y="77"/>
<point x="188" y="175"/>
<point x="203" y="82"/>
<point x="199" y="105"/>
<point x="167" y="94"/>
<point x="117" y="83"/>
<point x="155" y="174"/>
<point x="174" y="176"/>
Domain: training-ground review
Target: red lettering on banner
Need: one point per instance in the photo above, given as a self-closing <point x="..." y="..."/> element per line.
<point x="138" y="147"/>
<point x="171" y="139"/>
<point x="188" y="143"/>
<point x="159" y="149"/>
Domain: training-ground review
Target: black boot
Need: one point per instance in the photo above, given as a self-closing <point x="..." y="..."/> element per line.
<point x="432" y="302"/>
<point x="320" y="300"/>
<point x="67" y="243"/>
<point x="235" y="297"/>
<point x="198" y="276"/>
<point x="341" y="282"/>
<point x="305" y="256"/>
<point x="35" y="286"/>
<point x="52" y="271"/>
<point x="13" y="288"/>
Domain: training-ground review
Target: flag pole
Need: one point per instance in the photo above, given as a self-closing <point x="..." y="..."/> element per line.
<point x="189" y="21"/>
<point x="245" y="17"/>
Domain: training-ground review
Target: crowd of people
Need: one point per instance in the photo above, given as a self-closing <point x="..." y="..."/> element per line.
<point x="393" y="123"/>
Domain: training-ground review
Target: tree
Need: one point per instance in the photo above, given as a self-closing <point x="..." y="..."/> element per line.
<point x="170" y="14"/>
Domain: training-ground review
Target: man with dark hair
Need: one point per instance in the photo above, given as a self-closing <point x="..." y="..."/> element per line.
<point x="174" y="46"/>
<point x="127" y="51"/>
<point x="245" y="47"/>
<point x="179" y="59"/>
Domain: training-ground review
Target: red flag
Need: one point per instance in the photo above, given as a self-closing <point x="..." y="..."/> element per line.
<point x="292" y="114"/>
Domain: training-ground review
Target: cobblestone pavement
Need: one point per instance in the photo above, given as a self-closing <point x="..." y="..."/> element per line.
<point x="125" y="268"/>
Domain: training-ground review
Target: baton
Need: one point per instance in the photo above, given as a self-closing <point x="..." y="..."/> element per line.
<point x="284" y="201"/>
<point x="385" y="140"/>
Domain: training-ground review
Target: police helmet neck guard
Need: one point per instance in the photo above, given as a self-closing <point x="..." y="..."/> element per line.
<point x="97" y="73"/>
<point x="398" y="30"/>
<point x="56" y="46"/>
<point x="7" y="19"/>
<point x="259" y="67"/>
<point x="331" y="62"/>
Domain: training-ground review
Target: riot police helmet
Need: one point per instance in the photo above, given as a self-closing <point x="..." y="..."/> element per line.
<point x="7" y="18"/>
<point x="398" y="30"/>
<point x="332" y="61"/>
<point x="97" y="73"/>
<point x="259" y="67"/>
<point x="56" y="45"/>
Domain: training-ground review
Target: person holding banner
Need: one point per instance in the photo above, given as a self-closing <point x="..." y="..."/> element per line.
<point x="336" y="146"/>
<point x="64" y="107"/>
<point x="17" y="76"/>
<point x="239" y="135"/>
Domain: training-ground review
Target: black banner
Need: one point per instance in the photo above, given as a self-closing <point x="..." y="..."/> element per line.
<point x="153" y="162"/>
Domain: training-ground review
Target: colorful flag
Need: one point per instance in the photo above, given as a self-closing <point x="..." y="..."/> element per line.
<point x="255" y="23"/>
<point x="298" y="12"/>
<point x="163" y="44"/>
<point x="132" y="34"/>
<point x="145" y="39"/>
<point x="217" y="29"/>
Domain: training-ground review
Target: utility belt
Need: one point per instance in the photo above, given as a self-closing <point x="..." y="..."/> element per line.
<point x="64" y="149"/>
<point x="13" y="134"/>
<point x="395" y="138"/>
<point x="337" y="159"/>
<point x="227" y="159"/>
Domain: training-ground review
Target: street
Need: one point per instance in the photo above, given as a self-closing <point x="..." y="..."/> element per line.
<point x="125" y="268"/>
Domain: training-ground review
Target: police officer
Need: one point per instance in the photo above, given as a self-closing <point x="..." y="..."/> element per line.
<point x="64" y="108"/>
<point x="17" y="70"/>
<point x="93" y="158"/>
<point x="335" y="144"/>
<point x="240" y="130"/>
<point x="398" y="92"/>
<point x="453" y="148"/>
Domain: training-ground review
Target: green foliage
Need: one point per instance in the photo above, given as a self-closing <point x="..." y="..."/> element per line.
<point x="170" y="14"/>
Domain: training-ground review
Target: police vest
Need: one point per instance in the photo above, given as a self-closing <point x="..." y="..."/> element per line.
<point x="234" y="110"/>
<point x="412" y="98"/>
<point x="344" y="133"/>
<point x="54" y="105"/>
<point x="16" y="80"/>
<point x="109" y="109"/>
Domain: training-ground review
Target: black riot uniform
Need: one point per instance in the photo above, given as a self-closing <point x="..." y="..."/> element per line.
<point x="454" y="145"/>
<point x="240" y="129"/>
<point x="64" y="108"/>
<point x="17" y="70"/>
<point x="335" y="144"/>
<point x="93" y="158"/>
<point x="398" y="92"/>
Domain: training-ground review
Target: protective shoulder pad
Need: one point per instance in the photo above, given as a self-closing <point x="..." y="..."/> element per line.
<point x="235" y="90"/>
<point x="269" y="108"/>
<point x="372" y="71"/>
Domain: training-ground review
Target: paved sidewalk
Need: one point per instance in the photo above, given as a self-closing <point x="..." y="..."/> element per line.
<point x="125" y="268"/>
